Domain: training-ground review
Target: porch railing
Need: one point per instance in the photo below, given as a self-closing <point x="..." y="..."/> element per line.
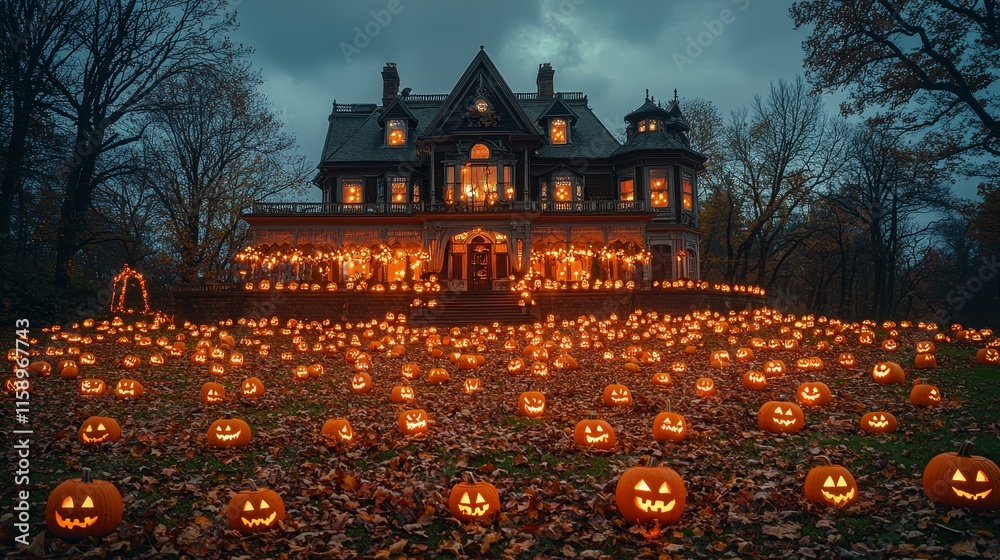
<point x="388" y="209"/>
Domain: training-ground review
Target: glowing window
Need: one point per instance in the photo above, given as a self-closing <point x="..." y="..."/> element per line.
<point x="396" y="132"/>
<point x="652" y="124"/>
<point x="626" y="189"/>
<point x="688" y="188"/>
<point x="398" y="185"/>
<point x="557" y="131"/>
<point x="562" y="190"/>
<point x="479" y="151"/>
<point x="642" y="125"/>
<point x="351" y="191"/>
<point x="658" y="188"/>
<point x="482" y="105"/>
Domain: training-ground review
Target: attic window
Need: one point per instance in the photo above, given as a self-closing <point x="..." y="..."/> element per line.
<point x="395" y="131"/>
<point x="479" y="151"/>
<point x="642" y="125"/>
<point x="652" y="125"/>
<point x="558" y="133"/>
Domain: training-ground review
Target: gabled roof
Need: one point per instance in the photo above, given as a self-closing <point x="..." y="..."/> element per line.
<point x="482" y="75"/>
<point x="397" y="109"/>
<point x="557" y="108"/>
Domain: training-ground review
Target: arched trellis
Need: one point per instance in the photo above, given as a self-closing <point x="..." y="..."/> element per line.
<point x="118" y="293"/>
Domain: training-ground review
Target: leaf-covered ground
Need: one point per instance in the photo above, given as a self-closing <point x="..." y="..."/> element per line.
<point x="385" y="495"/>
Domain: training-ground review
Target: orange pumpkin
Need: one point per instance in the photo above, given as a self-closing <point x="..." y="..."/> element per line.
<point x="923" y="394"/>
<point x="830" y="484"/>
<point x="472" y="501"/>
<point x="651" y="493"/>
<point x="255" y="510"/>
<point x="888" y="373"/>
<point x="531" y="404"/>
<point x="83" y="507"/>
<point x="878" y="422"/>
<point x="99" y="429"/>
<point x="669" y="426"/>
<point x="616" y="394"/>
<point x="780" y="417"/>
<point x="594" y="433"/>
<point x="963" y="480"/>
<point x="413" y="422"/>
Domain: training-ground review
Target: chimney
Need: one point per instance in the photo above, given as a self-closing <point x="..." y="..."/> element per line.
<point x="390" y="83"/>
<point x="544" y="81"/>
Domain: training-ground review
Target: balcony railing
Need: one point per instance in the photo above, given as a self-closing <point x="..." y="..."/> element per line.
<point x="388" y="209"/>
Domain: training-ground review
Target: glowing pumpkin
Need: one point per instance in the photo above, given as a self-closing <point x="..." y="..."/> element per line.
<point x="252" y="387"/>
<point x="83" y="507"/>
<point x="401" y="394"/>
<point x="780" y="417"/>
<point x="704" y="387"/>
<point x="92" y="388"/>
<point x="669" y="426"/>
<point x="437" y="376"/>
<point x="719" y="359"/>
<point x="128" y="389"/>
<point x="531" y="404"/>
<point x="361" y="383"/>
<point x="924" y="361"/>
<point x="878" y="422"/>
<point x="228" y="432"/>
<point x="754" y="380"/>
<point x="813" y="393"/>
<point x="988" y="356"/>
<point x="213" y="393"/>
<point x="662" y="379"/>
<point x="888" y="373"/>
<point x="745" y="354"/>
<point x="255" y="511"/>
<point x="337" y="430"/>
<point x="472" y="501"/>
<point x="472" y="385"/>
<point x="846" y="360"/>
<point x="617" y="395"/>
<point x="99" y="429"/>
<point x="923" y="394"/>
<point x="595" y="433"/>
<point x="832" y="485"/>
<point x="413" y="422"/>
<point x="515" y="366"/>
<point x="410" y="371"/>
<point x="775" y="368"/>
<point x="650" y="493"/>
<point x="963" y="480"/>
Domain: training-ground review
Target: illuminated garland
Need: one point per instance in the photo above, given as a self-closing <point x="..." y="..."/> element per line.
<point x="118" y="296"/>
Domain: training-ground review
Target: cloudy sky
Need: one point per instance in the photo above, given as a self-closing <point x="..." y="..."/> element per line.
<point x="314" y="51"/>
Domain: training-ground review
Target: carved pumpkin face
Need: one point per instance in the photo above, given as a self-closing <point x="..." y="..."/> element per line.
<point x="515" y="365"/>
<point x="745" y="354"/>
<point x="531" y="404"/>
<point x="754" y="380"/>
<point x="704" y="386"/>
<point x="83" y="507"/>
<point x="438" y="375"/>
<point x="988" y="356"/>
<point x="468" y="361"/>
<point x="131" y="361"/>
<point x="401" y="394"/>
<point x="813" y="393"/>
<point x="651" y="493"/>
<point x="678" y="367"/>
<point x="662" y="379"/>
<point x="774" y="368"/>
<point x="337" y="430"/>
<point x="41" y="369"/>
<point x="255" y="511"/>
<point x="13" y="385"/>
<point x="68" y="369"/>
<point x="92" y="387"/>
<point x="217" y="369"/>
<point x="925" y="347"/>
<point x="472" y="385"/>
<point x="228" y="432"/>
<point x="413" y="422"/>
<point x="822" y="345"/>
<point x="99" y="429"/>
<point x="879" y="422"/>
<point x="566" y="362"/>
<point x="925" y="395"/>
<point x="594" y="433"/>
<point x="252" y="387"/>
<point x="802" y="364"/>
<point x="780" y="417"/>
<point x="361" y="383"/>
<point x="540" y="369"/>
<point x="846" y="360"/>
<point x="924" y="361"/>
<point x="816" y="363"/>
<point x="888" y="373"/>
<point x="315" y="370"/>
<point x="301" y="372"/>
<point x="128" y="389"/>
<point x="890" y="345"/>
<point x="832" y="485"/>
<point x="719" y="359"/>
<point x="617" y="395"/>
<point x="866" y="338"/>
<point x="474" y="501"/>
<point x="963" y="480"/>
<point x="669" y="426"/>
<point x="213" y="393"/>
<point x="410" y="371"/>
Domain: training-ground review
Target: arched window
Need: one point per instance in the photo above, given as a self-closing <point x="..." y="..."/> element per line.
<point x="479" y="151"/>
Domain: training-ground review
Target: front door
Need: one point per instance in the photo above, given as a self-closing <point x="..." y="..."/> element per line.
<point x="480" y="254"/>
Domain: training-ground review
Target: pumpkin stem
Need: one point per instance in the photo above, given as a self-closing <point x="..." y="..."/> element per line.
<point x="593" y="415"/>
<point x="966" y="449"/>
<point x="469" y="477"/>
<point x="89" y="477"/>
<point x="824" y="460"/>
<point x="669" y="408"/>
<point x="253" y="485"/>
<point x="651" y="461"/>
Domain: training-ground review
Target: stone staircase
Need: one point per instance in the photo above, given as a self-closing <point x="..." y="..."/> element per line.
<point x="475" y="308"/>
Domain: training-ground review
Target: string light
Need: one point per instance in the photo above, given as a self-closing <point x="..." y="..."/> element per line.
<point x="118" y="295"/>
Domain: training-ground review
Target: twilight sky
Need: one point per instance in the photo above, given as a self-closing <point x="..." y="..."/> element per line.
<point x="314" y="51"/>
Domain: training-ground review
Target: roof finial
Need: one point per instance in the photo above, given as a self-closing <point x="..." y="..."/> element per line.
<point x="482" y="47"/>
<point x="675" y="94"/>
<point x="647" y="94"/>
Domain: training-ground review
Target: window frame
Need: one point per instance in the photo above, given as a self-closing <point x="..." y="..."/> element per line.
<point x="566" y="131"/>
<point x="360" y="184"/>
<point x="688" y="199"/>
<point x="665" y="189"/>
<point x="622" y="178"/>
<point x="396" y="124"/>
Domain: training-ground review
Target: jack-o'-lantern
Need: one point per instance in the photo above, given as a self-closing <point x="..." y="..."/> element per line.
<point x="823" y="345"/>
<point x="361" y="383"/>
<point x="252" y="387"/>
<point x="830" y="484"/>
<point x="754" y="380"/>
<point x="669" y="426"/>
<point x="236" y="359"/>
<point x="616" y="394"/>
<point x="925" y="347"/>
<point x="866" y="338"/>
<point x="213" y="393"/>
<point x="813" y="393"/>
<point x="68" y="369"/>
<point x="217" y="369"/>
<point x="438" y="375"/>
<point x="410" y="371"/>
<point x="963" y="480"/>
<point x="515" y="366"/>
<point x="678" y="367"/>
<point x="413" y="422"/>
<point x="472" y="501"/>
<point x="595" y="433"/>
<point x="650" y="493"/>
<point x="878" y="422"/>
<point x="315" y="370"/>
<point x="128" y="389"/>
<point x="758" y="343"/>
<point x="888" y="373"/>
<point x="745" y="354"/>
<point x="923" y="394"/>
<point x="780" y="417"/>
<point x="131" y="361"/>
<point x="719" y="359"/>
<point x="632" y="366"/>
<point x="566" y="362"/>
<point x="704" y="387"/>
<point x="228" y="432"/>
<point x="539" y="369"/>
<point x="300" y="372"/>
<point x="92" y="388"/>
<point x="156" y="360"/>
<point x="255" y="511"/>
<point x="802" y="364"/>
<point x="472" y="385"/>
<point x="337" y="430"/>
<point x="40" y="369"/>
<point x="662" y="378"/>
<point x="988" y="356"/>
<point x="470" y="361"/>
<point x="846" y="360"/>
<point x="816" y="363"/>
<point x="15" y="385"/>
<point x="88" y="359"/>
<point x="890" y="345"/>
<point x="531" y="404"/>
<point x="83" y="507"/>
<point x="775" y="368"/>
<point x="99" y="429"/>
<point x="401" y="394"/>
<point x="924" y="361"/>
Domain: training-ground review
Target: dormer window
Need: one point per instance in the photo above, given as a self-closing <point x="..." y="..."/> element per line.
<point x="558" y="131"/>
<point x="652" y="125"/>
<point x="647" y="124"/>
<point x="642" y="125"/>
<point x="395" y="131"/>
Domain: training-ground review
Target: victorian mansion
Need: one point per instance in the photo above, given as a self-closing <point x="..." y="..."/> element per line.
<point x="483" y="188"/>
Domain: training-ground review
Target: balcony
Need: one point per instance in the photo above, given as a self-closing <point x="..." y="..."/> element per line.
<point x="389" y="209"/>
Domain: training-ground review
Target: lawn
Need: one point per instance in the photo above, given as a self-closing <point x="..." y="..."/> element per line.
<point x="385" y="495"/>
